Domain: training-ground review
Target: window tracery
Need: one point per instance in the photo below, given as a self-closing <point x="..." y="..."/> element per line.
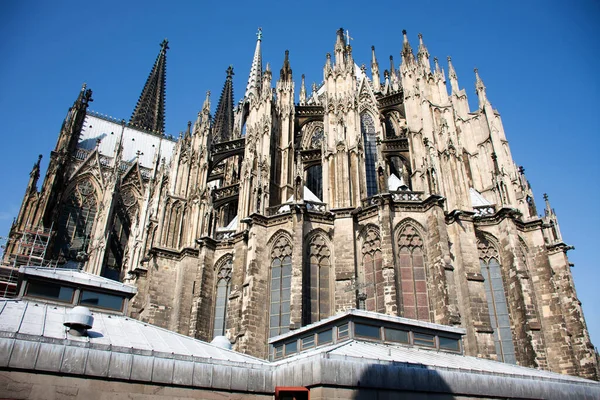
<point x="496" y="298"/>
<point x="317" y="292"/>
<point x="413" y="275"/>
<point x="367" y="126"/>
<point x="222" y="298"/>
<point x="281" y="284"/>
<point x="373" y="273"/>
<point x="77" y="220"/>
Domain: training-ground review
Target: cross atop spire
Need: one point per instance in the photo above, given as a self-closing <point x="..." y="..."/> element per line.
<point x="149" y="112"/>
<point x="223" y="122"/>
<point x="255" y="78"/>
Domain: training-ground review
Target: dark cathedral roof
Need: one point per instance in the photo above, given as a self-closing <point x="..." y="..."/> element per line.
<point x="149" y="112"/>
<point x="223" y="122"/>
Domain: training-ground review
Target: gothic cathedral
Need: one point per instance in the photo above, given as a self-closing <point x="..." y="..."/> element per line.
<point x="381" y="192"/>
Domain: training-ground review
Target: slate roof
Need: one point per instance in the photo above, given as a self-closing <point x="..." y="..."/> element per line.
<point x="46" y="322"/>
<point x="78" y="277"/>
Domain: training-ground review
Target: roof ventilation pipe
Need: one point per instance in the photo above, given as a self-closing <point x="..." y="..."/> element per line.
<point x="79" y="320"/>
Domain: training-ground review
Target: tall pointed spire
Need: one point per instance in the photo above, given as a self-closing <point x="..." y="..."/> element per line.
<point x="423" y="54"/>
<point x="303" y="92"/>
<point x="286" y="71"/>
<point x="34" y="175"/>
<point x="149" y="112"/>
<point x="407" y="52"/>
<point x="223" y="122"/>
<point x="255" y="78"/>
<point x="480" y="88"/>
<point x="375" y="71"/>
<point x="452" y="75"/>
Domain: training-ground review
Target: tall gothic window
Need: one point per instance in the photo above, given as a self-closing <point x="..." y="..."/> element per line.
<point x="314" y="173"/>
<point x="413" y="276"/>
<point x="317" y="304"/>
<point x="497" y="306"/>
<point x="373" y="273"/>
<point x="281" y="285"/>
<point x="76" y="220"/>
<point x="399" y="167"/>
<point x="314" y="180"/>
<point x="221" y="299"/>
<point x="367" y="127"/>
<point x="125" y="212"/>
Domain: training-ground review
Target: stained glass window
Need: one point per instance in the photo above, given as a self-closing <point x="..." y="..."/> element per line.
<point x="317" y="305"/>
<point x="413" y="277"/>
<point x="367" y="127"/>
<point x="281" y="285"/>
<point x="373" y="273"/>
<point x="76" y="220"/>
<point x="496" y="299"/>
<point x="221" y="299"/>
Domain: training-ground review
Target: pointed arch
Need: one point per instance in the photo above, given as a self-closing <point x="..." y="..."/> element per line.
<point x="412" y="267"/>
<point x="489" y="260"/>
<point x="223" y="269"/>
<point x="281" y="283"/>
<point x="317" y="278"/>
<point x="372" y="262"/>
<point x="369" y="136"/>
<point x="125" y="214"/>
<point x="76" y="218"/>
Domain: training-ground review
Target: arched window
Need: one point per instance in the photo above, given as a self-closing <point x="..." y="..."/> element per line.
<point x="367" y="127"/>
<point x="281" y="285"/>
<point x="400" y="168"/>
<point x="314" y="180"/>
<point x="221" y="299"/>
<point x="372" y="264"/>
<point x="125" y="212"/>
<point x="413" y="275"/>
<point x="317" y="292"/>
<point x="497" y="306"/>
<point x="76" y="220"/>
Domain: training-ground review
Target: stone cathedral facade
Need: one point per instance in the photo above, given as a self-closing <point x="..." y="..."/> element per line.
<point x="376" y="189"/>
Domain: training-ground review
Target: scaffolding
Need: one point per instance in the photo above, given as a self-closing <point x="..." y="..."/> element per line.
<point x="31" y="251"/>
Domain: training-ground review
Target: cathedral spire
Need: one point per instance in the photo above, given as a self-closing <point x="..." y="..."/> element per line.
<point x="480" y="88"/>
<point x="423" y="54"/>
<point x="149" y="112"/>
<point x="255" y="78"/>
<point x="375" y="71"/>
<point x="407" y="52"/>
<point x="286" y="71"/>
<point x="303" y="92"/>
<point x="452" y="75"/>
<point x="34" y="175"/>
<point x="223" y="121"/>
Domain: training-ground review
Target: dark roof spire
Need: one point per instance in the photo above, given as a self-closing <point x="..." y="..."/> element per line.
<point x="149" y="112"/>
<point x="286" y="71"/>
<point x="223" y="122"/>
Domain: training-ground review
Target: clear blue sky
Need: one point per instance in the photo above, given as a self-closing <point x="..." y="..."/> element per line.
<point x="538" y="59"/>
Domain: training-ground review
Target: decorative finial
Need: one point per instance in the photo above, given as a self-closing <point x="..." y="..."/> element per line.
<point x="546" y="196"/>
<point x="164" y="45"/>
<point x="259" y="34"/>
<point x="404" y="31"/>
<point x="449" y="59"/>
<point x="420" y="35"/>
<point x="348" y="38"/>
<point x="230" y="72"/>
